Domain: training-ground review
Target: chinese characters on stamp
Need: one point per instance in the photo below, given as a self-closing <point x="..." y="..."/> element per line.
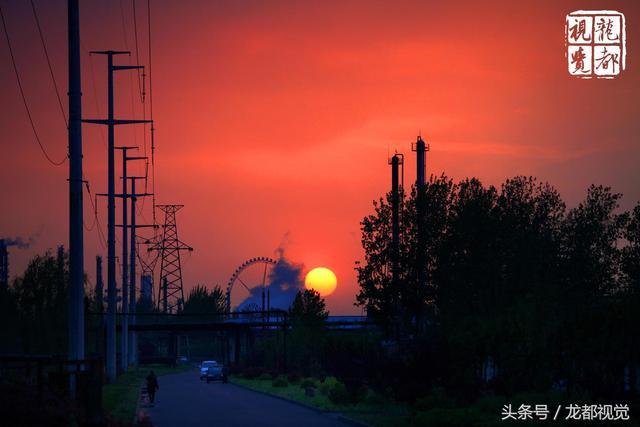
<point x="596" y="43"/>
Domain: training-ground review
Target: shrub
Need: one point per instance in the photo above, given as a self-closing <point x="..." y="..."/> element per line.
<point x="327" y="384"/>
<point x="339" y="394"/>
<point x="455" y="417"/>
<point x="235" y="370"/>
<point x="374" y="399"/>
<point x="293" y="378"/>
<point x="253" y="373"/>
<point x="281" y="381"/>
<point x="493" y="404"/>
<point x="265" y="377"/>
<point x="436" y="399"/>
<point x="308" y="382"/>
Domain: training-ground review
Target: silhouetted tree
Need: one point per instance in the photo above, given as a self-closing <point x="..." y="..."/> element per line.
<point x="308" y="313"/>
<point x="201" y="300"/>
<point x="591" y="291"/>
<point x="513" y="291"/>
<point x="42" y="294"/>
<point x="308" y="308"/>
<point x="9" y="336"/>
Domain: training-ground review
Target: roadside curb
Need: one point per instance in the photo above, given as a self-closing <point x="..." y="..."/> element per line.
<point x="339" y="415"/>
<point x="352" y="422"/>
<point x="137" y="413"/>
<point x="140" y="413"/>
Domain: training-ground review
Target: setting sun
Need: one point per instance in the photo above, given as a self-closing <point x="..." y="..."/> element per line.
<point x="322" y="280"/>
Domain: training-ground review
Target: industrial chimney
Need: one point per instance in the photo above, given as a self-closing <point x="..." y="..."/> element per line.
<point x="420" y="148"/>
<point x="397" y="177"/>
<point x="4" y="265"/>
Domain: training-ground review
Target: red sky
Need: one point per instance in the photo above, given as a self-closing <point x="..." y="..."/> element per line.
<point x="274" y="119"/>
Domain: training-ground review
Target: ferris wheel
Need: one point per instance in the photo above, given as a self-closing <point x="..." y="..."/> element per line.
<point x="251" y="277"/>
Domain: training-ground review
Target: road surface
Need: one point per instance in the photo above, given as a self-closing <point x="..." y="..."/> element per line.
<point x="185" y="401"/>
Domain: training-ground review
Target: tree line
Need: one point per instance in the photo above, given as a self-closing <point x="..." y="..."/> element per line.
<point x="506" y="289"/>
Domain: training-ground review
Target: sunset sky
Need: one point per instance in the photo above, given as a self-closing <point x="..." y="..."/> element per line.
<point x="275" y="119"/>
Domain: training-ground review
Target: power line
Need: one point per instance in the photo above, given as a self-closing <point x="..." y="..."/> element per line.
<point x="141" y="89"/>
<point x="124" y="27"/>
<point x="101" y="238"/>
<point x="95" y="98"/>
<point x="126" y="45"/>
<point x="46" y="54"/>
<point x="153" y="170"/>
<point x="135" y="33"/>
<point x="24" y="99"/>
<point x="93" y="225"/>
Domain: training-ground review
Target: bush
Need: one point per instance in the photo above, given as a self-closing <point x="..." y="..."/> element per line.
<point x="253" y="373"/>
<point x="455" y="417"/>
<point x="265" y="377"/>
<point x="293" y="378"/>
<point x="281" y="381"/>
<point x="308" y="382"/>
<point x="493" y="404"/>
<point x="327" y="385"/>
<point x="436" y="399"/>
<point x="374" y="399"/>
<point x="339" y="394"/>
<point x="235" y="370"/>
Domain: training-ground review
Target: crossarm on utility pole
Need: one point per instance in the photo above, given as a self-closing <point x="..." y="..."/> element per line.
<point x="114" y="121"/>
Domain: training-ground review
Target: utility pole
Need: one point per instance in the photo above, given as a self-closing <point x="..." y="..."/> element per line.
<point x="132" y="263"/>
<point x="128" y="288"/>
<point x="76" y="235"/>
<point x="124" y="338"/>
<point x="124" y="360"/>
<point x="99" y="307"/>
<point x="99" y="285"/>
<point x="110" y="122"/>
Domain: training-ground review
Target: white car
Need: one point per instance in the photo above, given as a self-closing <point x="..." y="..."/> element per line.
<point x="204" y="366"/>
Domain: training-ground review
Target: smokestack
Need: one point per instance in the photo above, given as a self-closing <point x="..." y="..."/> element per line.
<point x="420" y="148"/>
<point x="396" y="162"/>
<point x="4" y="265"/>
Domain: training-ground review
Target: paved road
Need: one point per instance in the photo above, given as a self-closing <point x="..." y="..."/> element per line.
<point x="185" y="401"/>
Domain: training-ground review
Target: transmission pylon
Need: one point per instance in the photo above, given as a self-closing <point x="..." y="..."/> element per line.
<point x="170" y="293"/>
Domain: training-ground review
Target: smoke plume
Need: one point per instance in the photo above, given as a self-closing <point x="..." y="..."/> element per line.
<point x="285" y="280"/>
<point x="18" y="242"/>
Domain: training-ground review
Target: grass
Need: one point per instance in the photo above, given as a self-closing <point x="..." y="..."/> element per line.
<point x="119" y="399"/>
<point x="367" y="412"/>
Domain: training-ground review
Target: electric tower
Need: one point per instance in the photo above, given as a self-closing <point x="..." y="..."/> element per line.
<point x="170" y="293"/>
